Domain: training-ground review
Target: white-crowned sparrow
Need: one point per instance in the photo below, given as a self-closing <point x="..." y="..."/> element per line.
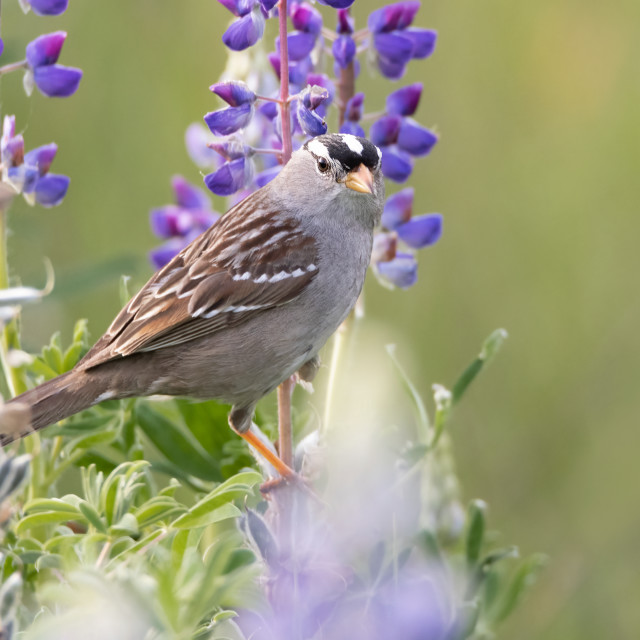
<point x="248" y="303"/>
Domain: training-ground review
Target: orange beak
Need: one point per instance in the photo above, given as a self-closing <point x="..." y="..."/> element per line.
<point x="360" y="179"/>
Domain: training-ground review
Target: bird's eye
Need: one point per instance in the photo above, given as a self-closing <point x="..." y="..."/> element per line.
<point x="323" y="165"/>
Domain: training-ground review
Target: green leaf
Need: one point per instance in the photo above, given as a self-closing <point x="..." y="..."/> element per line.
<point x="49" y="561"/>
<point x="134" y="548"/>
<point x="475" y="532"/>
<point x="52" y="354"/>
<point x="177" y="445"/>
<point x="86" y="441"/>
<point x="524" y="577"/>
<point x="51" y="504"/>
<point x="93" y="517"/>
<point x="158" y="508"/>
<point x="47" y="517"/>
<point x="216" y="505"/>
<point x="79" y="344"/>
<point x="190" y="521"/>
<point x="126" y="526"/>
<point x="207" y="421"/>
<point x="490" y="348"/>
<point x="224" y="615"/>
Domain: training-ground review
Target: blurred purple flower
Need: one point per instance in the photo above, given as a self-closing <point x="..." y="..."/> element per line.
<point x="224" y="122"/>
<point x="233" y="92"/>
<point x="397" y="164"/>
<point x="307" y="23"/>
<point x="11" y="145"/>
<point x="337" y="4"/>
<point x="53" y="80"/>
<point x="401" y="272"/>
<point x="405" y="101"/>
<point x="353" y="115"/>
<point x="45" y="7"/>
<point x="309" y="100"/>
<point x="182" y="222"/>
<point x="399" y="136"/>
<point x="396" y="268"/>
<point x="323" y="81"/>
<point x="416" y="232"/>
<point x="415" y="139"/>
<point x="196" y="140"/>
<point x="398" y="209"/>
<point x="394" y="40"/>
<point x="230" y="177"/>
<point x="346" y="25"/>
<point x="28" y="173"/>
<point x="51" y="189"/>
<point x="344" y="50"/>
<point x="249" y="28"/>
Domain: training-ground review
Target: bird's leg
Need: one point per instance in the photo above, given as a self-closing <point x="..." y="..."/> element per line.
<point x="307" y="373"/>
<point x="240" y="422"/>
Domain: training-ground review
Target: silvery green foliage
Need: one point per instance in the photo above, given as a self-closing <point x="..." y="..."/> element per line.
<point x="143" y="519"/>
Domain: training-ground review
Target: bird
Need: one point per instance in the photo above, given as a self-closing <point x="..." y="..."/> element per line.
<point x="246" y="304"/>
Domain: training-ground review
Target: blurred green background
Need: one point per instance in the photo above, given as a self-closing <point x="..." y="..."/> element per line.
<point x="537" y="174"/>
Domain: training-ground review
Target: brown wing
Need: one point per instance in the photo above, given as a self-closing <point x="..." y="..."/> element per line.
<point x="251" y="260"/>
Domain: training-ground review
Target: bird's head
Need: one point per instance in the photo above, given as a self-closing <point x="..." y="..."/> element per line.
<point x="343" y="169"/>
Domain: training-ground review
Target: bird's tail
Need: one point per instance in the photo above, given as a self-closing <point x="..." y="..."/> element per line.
<point x="52" y="401"/>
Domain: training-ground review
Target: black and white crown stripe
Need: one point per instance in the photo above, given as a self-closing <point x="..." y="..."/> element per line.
<point x="348" y="150"/>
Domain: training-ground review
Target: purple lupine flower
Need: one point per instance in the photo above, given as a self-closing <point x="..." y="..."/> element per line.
<point x="394" y="40"/>
<point x="28" y="173"/>
<point x="309" y="100"/>
<point x="401" y="272"/>
<point x="11" y="145"/>
<point x="405" y="101"/>
<point x="399" y="136"/>
<point x="197" y="139"/>
<point x="53" y="80"/>
<point x="45" y="7"/>
<point x="344" y="50"/>
<point x="1" y="46"/>
<point x="397" y="165"/>
<point x="224" y="122"/>
<point x="249" y="27"/>
<point x="182" y="222"/>
<point x="51" y="189"/>
<point x="416" y="232"/>
<point x="353" y="115"/>
<point x="337" y="4"/>
<point x="401" y="268"/>
<point x="323" y="81"/>
<point x="230" y="177"/>
<point x="234" y="93"/>
<point x="307" y="23"/>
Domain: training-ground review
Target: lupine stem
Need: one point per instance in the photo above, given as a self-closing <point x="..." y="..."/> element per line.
<point x="268" y="99"/>
<point x="285" y="109"/>
<point x="346" y="90"/>
<point x="14" y="66"/>
<point x="286" y="388"/>
<point x="285" y="497"/>
<point x="4" y="283"/>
